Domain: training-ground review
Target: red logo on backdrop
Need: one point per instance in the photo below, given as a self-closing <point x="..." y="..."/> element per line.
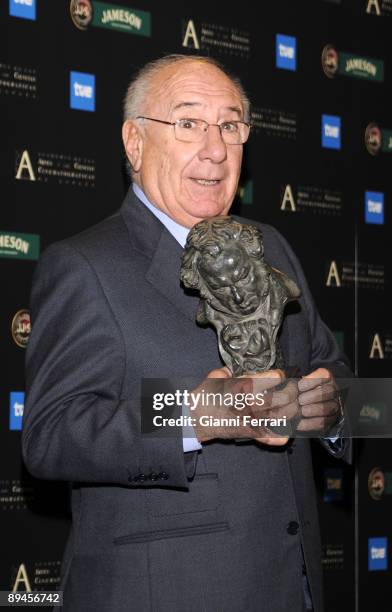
<point x="21" y="328"/>
<point x="376" y="483"/>
<point x="81" y="13"/>
<point x="330" y="60"/>
<point x="373" y="138"/>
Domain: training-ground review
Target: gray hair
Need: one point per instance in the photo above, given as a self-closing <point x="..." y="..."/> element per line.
<point x="137" y="91"/>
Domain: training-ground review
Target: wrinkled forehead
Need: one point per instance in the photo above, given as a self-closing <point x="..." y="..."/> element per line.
<point x="193" y="83"/>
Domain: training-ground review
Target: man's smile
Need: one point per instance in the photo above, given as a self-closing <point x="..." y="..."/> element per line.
<point x="205" y="182"/>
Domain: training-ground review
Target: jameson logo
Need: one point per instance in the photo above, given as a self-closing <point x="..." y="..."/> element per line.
<point x="361" y="67"/>
<point x="19" y="246"/>
<point x="348" y="64"/>
<point x="121" y="18"/>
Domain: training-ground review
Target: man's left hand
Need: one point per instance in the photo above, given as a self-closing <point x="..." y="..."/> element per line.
<point x="318" y="401"/>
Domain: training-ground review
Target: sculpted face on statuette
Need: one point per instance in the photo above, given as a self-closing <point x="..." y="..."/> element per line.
<point x="241" y="295"/>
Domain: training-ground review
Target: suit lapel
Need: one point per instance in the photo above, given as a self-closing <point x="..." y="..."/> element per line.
<point x="150" y="237"/>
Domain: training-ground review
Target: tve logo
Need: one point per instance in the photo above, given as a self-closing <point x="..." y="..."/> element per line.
<point x="378" y="554"/>
<point x="330" y="132"/>
<point x="374" y="207"/>
<point x="16" y="409"/>
<point x="82" y="94"/>
<point x="26" y="9"/>
<point x="286" y="52"/>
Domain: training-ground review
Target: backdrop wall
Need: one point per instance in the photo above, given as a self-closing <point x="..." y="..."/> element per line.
<point x="317" y="166"/>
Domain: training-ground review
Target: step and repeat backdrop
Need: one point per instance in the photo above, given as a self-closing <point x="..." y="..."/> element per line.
<point x="317" y="166"/>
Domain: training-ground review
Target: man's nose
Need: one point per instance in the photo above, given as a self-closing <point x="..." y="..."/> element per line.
<point x="237" y="296"/>
<point x="212" y="146"/>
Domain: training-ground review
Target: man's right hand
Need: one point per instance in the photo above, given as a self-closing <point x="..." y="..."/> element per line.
<point x="277" y="404"/>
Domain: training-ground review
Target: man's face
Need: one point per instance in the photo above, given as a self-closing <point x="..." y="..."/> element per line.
<point x="190" y="181"/>
<point x="234" y="283"/>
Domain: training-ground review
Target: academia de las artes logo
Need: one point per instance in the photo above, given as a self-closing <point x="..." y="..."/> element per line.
<point x="311" y="198"/>
<point x="21" y="328"/>
<point x="42" y="575"/>
<point x="330" y="61"/>
<point x="373" y="138"/>
<point x="380" y="346"/>
<point x="212" y="38"/>
<point x="379" y="8"/>
<point x="18" y="81"/>
<point x="81" y="13"/>
<point x="376" y="483"/>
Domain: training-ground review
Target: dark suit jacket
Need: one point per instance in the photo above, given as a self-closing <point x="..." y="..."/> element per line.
<point x="216" y="531"/>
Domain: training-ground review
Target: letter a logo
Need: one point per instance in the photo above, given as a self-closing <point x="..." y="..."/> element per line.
<point x="190" y="33"/>
<point x="373" y="4"/>
<point x="21" y="577"/>
<point x="288" y="199"/>
<point x="25" y="166"/>
<point x="333" y="274"/>
<point x="376" y="351"/>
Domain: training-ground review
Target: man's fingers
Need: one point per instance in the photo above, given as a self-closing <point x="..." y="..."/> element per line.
<point x="319" y="394"/>
<point x="289" y="411"/>
<point x="273" y="441"/>
<point x="317" y="424"/>
<point x="316" y="378"/>
<point x="318" y="417"/>
<point x="265" y="380"/>
<point x="255" y="383"/>
<point x="239" y="385"/>
<point x="321" y="409"/>
<point x="220" y="373"/>
<point x="284" y="396"/>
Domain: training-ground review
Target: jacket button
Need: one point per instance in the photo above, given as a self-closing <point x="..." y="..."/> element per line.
<point x="163" y="476"/>
<point x="153" y="476"/>
<point x="292" y="528"/>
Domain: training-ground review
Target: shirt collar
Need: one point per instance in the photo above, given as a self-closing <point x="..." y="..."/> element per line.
<point x="179" y="232"/>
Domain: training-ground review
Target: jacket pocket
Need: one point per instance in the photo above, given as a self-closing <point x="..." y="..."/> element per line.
<point x="175" y="513"/>
<point x="202" y="496"/>
<point x="163" y="534"/>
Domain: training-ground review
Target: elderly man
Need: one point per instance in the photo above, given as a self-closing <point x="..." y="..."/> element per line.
<point x="169" y="524"/>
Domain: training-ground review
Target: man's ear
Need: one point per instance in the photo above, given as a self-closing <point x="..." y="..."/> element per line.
<point x="133" y="144"/>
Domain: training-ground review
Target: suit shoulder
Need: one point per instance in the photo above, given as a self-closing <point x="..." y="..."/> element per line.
<point x="93" y="241"/>
<point x="100" y="235"/>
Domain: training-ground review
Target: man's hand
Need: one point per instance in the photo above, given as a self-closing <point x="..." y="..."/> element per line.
<point x="276" y="404"/>
<point x="319" y="402"/>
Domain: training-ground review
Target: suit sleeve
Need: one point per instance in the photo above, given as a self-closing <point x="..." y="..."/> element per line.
<point x="325" y="352"/>
<point x="77" y="423"/>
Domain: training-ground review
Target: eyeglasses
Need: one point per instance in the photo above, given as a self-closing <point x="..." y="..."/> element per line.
<point x="194" y="130"/>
